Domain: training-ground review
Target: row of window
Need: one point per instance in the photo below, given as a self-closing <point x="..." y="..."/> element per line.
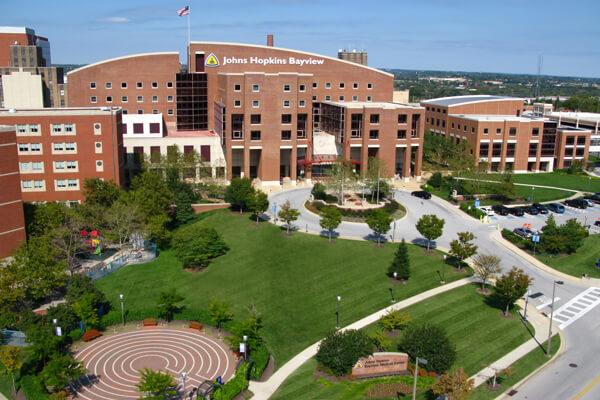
<point x="138" y="128"/>
<point x="484" y="150"/>
<point x="55" y="129"/>
<point x="59" y="184"/>
<point x="155" y="111"/>
<point x="138" y="85"/>
<point x="287" y="134"/>
<point x="301" y="88"/>
<point x="39" y="166"/>
<point x="32" y="148"/>
<point x="125" y="99"/>
<point x="301" y="103"/>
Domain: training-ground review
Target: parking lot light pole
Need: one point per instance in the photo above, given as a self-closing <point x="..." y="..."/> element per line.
<point x="551" y="316"/>
<point x="444" y="271"/>
<point x="122" y="311"/>
<point x="339" y="298"/>
<point x="183" y="375"/>
<point x="526" y="302"/>
<point x="245" y="347"/>
<point x="532" y="191"/>
<point x="394" y="286"/>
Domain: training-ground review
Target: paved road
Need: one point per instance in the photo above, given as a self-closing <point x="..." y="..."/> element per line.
<point x="581" y="334"/>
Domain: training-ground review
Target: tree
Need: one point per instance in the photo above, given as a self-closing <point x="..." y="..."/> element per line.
<point x="60" y="370"/>
<point x="238" y="191"/>
<point x="340" y="350"/>
<point x="401" y="262"/>
<point x="167" y="304"/>
<point x="99" y="192"/>
<point x="376" y="169"/>
<point x="455" y="385"/>
<point x="10" y="360"/>
<point x="43" y="344"/>
<point x="66" y="238"/>
<point x="197" y="245"/>
<point x="64" y="315"/>
<point x="462" y="248"/>
<point x="154" y="200"/>
<point x="81" y="285"/>
<point x="318" y="191"/>
<point x="250" y="328"/>
<point x="436" y="180"/>
<point x="395" y="319"/>
<point x="288" y="214"/>
<point x="379" y="339"/>
<point x="123" y="219"/>
<point x="44" y="218"/>
<point x="257" y="202"/>
<point x="431" y="343"/>
<point x="220" y="312"/>
<point x="486" y="266"/>
<point x="512" y="286"/>
<point x="379" y="222"/>
<point x="84" y="308"/>
<point x="155" y="385"/>
<point x="431" y="227"/>
<point x="184" y="197"/>
<point x="573" y="233"/>
<point x="331" y="218"/>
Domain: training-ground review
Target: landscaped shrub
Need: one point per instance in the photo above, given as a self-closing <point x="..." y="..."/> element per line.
<point x="261" y="357"/>
<point x="389" y="207"/>
<point x="431" y="343"/>
<point x="388" y="389"/>
<point x="339" y="351"/>
<point x="33" y="389"/>
<point x="474" y="212"/>
<point x="91" y="335"/>
<point x="318" y="191"/>
<point x="197" y="245"/>
<point x="516" y="239"/>
<point x="76" y="334"/>
<point x="436" y="180"/>
<point x="236" y="385"/>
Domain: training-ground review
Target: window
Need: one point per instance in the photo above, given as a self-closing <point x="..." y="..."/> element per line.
<point x="512" y="131"/>
<point x="70" y="146"/>
<point x="93" y="99"/>
<point x="154" y="85"/>
<point x="140" y="111"/>
<point x="402" y="118"/>
<point x="369" y="86"/>
<point x="138" y="128"/>
<point x="169" y="84"/>
<point x="485" y="131"/>
<point x="57" y="146"/>
<point x="286" y="88"/>
<point x="34" y="128"/>
<point x="327" y="98"/>
<point x="71" y="164"/>
<point x="580" y="140"/>
<point x="27" y="184"/>
<point x="73" y="183"/>
<point x="170" y="111"/>
<point x="61" y="183"/>
<point x="369" y="98"/>
<point x="302" y="103"/>
<point x="355" y="85"/>
<point x="139" y="85"/>
<point x="124" y="99"/>
<point x="315" y="85"/>
<point x="533" y="149"/>
<point x="108" y="85"/>
<point x="354" y="98"/>
<point x="444" y="124"/>
<point x="341" y="98"/>
<point x="286" y="118"/>
<point x="140" y="99"/>
<point x="286" y="103"/>
<point x="69" y="128"/>
<point x="484" y="150"/>
<point x="342" y="85"/>
<point x="374" y="134"/>
<point x="237" y="87"/>
<point x="374" y="118"/>
<point x="458" y="126"/>
<point x="302" y="88"/>
<point x="56" y="128"/>
<point x="286" y="135"/>
<point x="237" y="103"/>
<point x="535" y="132"/>
<point x="401" y="133"/>
<point x="255" y="119"/>
<point x="255" y="88"/>
<point x="21" y="128"/>
<point x="498" y="130"/>
<point x="24" y="166"/>
<point x="92" y="85"/>
<point x="154" y="127"/>
<point x="154" y="111"/>
<point x="254" y="135"/>
<point x="123" y="85"/>
<point x="465" y="128"/>
<point x="328" y="85"/>
<point x="36" y="147"/>
<point x="37" y="166"/>
<point x="510" y="149"/>
<point x="154" y="99"/>
<point x="170" y="98"/>
<point x="109" y="99"/>
<point x="472" y="129"/>
<point x="314" y="98"/>
<point x="255" y="103"/>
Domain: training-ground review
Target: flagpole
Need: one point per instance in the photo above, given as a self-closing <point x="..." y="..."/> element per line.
<point x="189" y="40"/>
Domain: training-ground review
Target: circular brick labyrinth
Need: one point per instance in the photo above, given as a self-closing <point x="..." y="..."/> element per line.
<point x="113" y="361"/>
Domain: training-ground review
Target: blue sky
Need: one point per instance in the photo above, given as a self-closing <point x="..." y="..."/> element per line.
<point x="461" y="35"/>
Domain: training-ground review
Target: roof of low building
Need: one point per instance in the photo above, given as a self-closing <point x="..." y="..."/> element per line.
<point x="461" y="100"/>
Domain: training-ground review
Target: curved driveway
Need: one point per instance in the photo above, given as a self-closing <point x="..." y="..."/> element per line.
<point x="558" y="380"/>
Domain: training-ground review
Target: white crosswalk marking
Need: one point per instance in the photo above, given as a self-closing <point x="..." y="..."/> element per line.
<point x="577" y="307"/>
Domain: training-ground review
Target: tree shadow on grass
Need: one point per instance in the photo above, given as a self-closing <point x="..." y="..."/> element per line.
<point x="422" y="242"/>
<point x="325" y="233"/>
<point x="373" y="238"/>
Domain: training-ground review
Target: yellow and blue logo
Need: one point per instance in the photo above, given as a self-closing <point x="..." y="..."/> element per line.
<point x="358" y="365"/>
<point x="212" y="61"/>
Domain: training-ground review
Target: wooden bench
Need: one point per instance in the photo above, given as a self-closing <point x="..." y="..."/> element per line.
<point x="149" y="322"/>
<point x="195" y="325"/>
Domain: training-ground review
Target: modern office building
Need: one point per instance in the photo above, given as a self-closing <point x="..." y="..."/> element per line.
<point x="264" y="104"/>
<point x="59" y="148"/>
<point x="582" y="120"/>
<point x="499" y="134"/>
<point x="12" y="222"/>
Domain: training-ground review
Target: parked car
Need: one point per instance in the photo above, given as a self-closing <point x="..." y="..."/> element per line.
<point x="577" y="203"/>
<point x="594" y="197"/>
<point x="500" y="209"/>
<point x="541" y="208"/>
<point x="523" y="232"/>
<point x="597" y="223"/>
<point x="487" y="211"/>
<point x="518" y="211"/>
<point x="422" y="194"/>
<point x="531" y="210"/>
<point x="556" y="208"/>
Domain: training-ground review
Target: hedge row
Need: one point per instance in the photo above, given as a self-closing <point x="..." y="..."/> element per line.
<point x="236" y="385"/>
<point x="32" y="389"/>
<point x="474" y="212"/>
<point x="390" y="207"/>
<point x="516" y="239"/>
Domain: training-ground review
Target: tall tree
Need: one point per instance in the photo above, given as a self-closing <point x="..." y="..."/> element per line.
<point x="401" y="262"/>
<point x="60" y="370"/>
<point x="512" y="286"/>
<point x="167" y="303"/>
<point x="379" y="222"/>
<point x="155" y="385"/>
<point x="340" y="178"/>
<point x="10" y="361"/>
<point x="486" y="266"/>
<point x="220" y="312"/>
<point x="238" y="191"/>
<point x="331" y="218"/>
<point x="431" y="227"/>
<point x="85" y="310"/>
<point x="257" y="202"/>
<point x="99" y="192"/>
<point x="462" y="248"/>
<point x="123" y="219"/>
<point x="455" y="385"/>
<point x="67" y="239"/>
<point x="288" y="214"/>
<point x="376" y="170"/>
<point x="154" y="200"/>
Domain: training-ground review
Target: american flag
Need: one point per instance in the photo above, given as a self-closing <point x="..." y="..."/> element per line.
<point x="184" y="11"/>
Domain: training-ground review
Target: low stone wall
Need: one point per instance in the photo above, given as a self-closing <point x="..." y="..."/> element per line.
<point x="200" y="208"/>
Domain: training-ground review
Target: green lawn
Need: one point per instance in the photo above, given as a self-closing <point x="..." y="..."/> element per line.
<point x="584" y="260"/>
<point x="472" y="325"/>
<point x="555" y="179"/>
<point x="292" y="281"/>
<point x="523" y="192"/>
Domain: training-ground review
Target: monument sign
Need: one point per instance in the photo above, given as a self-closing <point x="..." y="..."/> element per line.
<point x="381" y="364"/>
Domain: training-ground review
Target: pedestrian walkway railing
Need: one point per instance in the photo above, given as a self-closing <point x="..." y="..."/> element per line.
<point x="13" y="338"/>
<point x="142" y="256"/>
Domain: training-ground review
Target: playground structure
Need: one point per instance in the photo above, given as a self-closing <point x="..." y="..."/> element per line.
<point x="95" y="241"/>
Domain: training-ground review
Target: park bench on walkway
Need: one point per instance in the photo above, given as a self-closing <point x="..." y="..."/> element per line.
<point x="195" y="325"/>
<point x="149" y="322"/>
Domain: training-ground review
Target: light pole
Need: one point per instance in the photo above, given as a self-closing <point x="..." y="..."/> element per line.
<point x="424" y="362"/>
<point x="54" y="321"/>
<point x="339" y="298"/>
<point x="552" y="315"/>
<point x="122" y="312"/>
<point x="394" y="231"/>
<point x="532" y="190"/>
<point x="245" y="347"/>
<point x="183" y="375"/>
<point x="526" y="302"/>
<point x="444" y="271"/>
<point x="394" y="286"/>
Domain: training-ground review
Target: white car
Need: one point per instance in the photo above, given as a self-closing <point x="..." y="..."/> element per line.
<point x="487" y="211"/>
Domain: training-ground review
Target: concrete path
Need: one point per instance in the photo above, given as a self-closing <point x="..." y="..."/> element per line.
<point x="2" y="397"/>
<point x="263" y="390"/>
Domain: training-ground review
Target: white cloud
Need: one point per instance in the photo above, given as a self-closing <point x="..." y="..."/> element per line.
<point x="118" y="20"/>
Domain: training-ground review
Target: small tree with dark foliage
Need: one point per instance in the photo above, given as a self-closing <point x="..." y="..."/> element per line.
<point x="167" y="304"/>
<point x="431" y="343"/>
<point x="331" y="218"/>
<point x="339" y="351"/>
<point x="379" y="222"/>
<point x="288" y="214"/>
<point x="512" y="286"/>
<point x="455" y="385"/>
<point x="462" y="248"/>
<point x="156" y="385"/>
<point x="401" y="262"/>
<point x="197" y="245"/>
<point x="257" y="202"/>
<point x="238" y="191"/>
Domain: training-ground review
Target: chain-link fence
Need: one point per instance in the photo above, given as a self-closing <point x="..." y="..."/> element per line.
<point x="13" y="338"/>
<point x="146" y="254"/>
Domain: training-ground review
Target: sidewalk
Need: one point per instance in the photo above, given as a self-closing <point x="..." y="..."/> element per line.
<point x="263" y="390"/>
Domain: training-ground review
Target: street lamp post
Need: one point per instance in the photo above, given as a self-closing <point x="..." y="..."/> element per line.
<point x="552" y="315"/>
<point x="183" y="375"/>
<point x="122" y="311"/>
<point x="532" y="190"/>
<point x="526" y="302"/>
<point x="444" y="271"/>
<point x="54" y="321"/>
<point x="245" y="347"/>
<point x="339" y="298"/>
<point x="424" y="362"/>
<point x="394" y="231"/>
<point x="394" y="286"/>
